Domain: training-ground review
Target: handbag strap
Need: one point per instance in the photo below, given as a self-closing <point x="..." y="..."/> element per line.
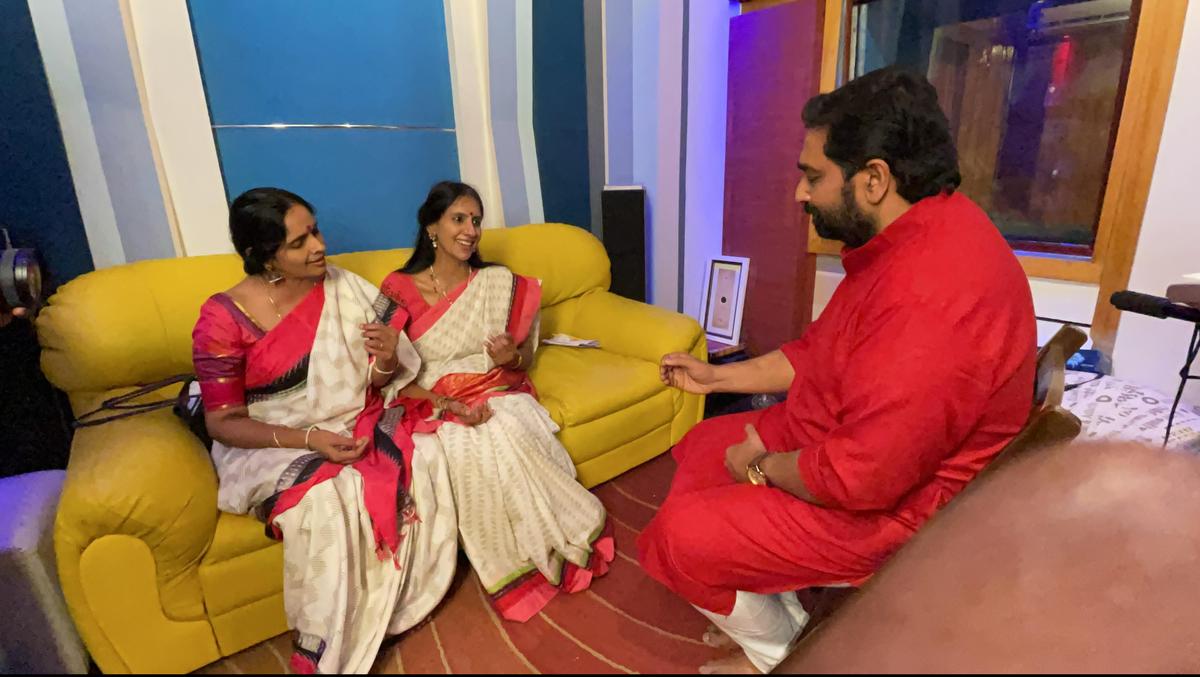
<point x="120" y="403"/>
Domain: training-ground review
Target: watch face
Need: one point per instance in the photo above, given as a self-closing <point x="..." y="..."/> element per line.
<point x="755" y="476"/>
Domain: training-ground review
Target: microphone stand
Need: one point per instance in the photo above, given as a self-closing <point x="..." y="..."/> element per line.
<point x="1185" y="375"/>
<point x="1188" y="295"/>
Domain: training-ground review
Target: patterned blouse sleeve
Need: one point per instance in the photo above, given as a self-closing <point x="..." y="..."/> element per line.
<point x="393" y="307"/>
<point x="219" y="357"/>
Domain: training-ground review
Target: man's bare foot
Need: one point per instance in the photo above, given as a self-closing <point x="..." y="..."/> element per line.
<point x="737" y="664"/>
<point x="716" y="639"/>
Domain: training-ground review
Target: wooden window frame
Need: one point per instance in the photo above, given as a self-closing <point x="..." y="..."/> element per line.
<point x="1158" y="32"/>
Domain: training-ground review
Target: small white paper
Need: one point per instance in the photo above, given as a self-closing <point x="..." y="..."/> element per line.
<point x="570" y="341"/>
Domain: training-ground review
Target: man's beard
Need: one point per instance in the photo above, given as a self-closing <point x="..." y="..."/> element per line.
<point x="847" y="224"/>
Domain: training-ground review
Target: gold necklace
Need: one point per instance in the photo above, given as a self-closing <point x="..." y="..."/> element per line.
<point x="271" y="298"/>
<point x="437" y="284"/>
<point x="270" y="286"/>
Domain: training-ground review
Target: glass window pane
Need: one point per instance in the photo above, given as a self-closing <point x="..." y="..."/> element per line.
<point x="1031" y="89"/>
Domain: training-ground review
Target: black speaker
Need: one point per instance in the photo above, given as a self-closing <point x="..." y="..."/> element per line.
<point x="623" y="209"/>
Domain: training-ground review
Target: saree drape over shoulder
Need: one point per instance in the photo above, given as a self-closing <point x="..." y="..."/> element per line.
<point x="369" y="547"/>
<point x="528" y="527"/>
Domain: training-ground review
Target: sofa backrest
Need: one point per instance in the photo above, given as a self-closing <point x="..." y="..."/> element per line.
<point x="132" y="324"/>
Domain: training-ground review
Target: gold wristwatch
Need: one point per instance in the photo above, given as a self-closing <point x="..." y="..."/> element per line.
<point x="755" y="474"/>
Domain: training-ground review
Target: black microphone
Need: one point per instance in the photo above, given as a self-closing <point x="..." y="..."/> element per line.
<point x="1154" y="306"/>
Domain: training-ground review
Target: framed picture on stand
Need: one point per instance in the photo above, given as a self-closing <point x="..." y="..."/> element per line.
<point x="724" y="297"/>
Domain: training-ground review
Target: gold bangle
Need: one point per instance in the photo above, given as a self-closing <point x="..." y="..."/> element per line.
<point x="306" y="434"/>
<point x="520" y="361"/>
<point x="275" y="436"/>
<point x="375" y="366"/>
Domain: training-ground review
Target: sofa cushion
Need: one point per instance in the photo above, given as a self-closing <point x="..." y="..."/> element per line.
<point x="372" y="266"/>
<point x="132" y="324"/>
<point x="236" y="535"/>
<point x="241" y="566"/>
<point x="578" y="385"/>
<point x="569" y="261"/>
<point x="605" y="435"/>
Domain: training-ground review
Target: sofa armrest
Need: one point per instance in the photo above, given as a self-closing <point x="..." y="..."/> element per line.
<point x="146" y="477"/>
<point x="634" y="329"/>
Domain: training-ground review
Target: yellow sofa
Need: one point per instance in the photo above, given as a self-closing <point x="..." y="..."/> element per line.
<point x="156" y="578"/>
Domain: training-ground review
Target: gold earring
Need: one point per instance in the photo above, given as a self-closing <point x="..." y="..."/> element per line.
<point x="273" y="277"/>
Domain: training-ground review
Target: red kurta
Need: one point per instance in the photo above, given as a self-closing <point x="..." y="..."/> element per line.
<point x="916" y="374"/>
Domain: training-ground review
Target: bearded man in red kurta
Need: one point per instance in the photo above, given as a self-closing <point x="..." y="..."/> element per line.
<point x="917" y="373"/>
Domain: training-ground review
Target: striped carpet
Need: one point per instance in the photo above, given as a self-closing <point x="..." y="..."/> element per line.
<point x="626" y="623"/>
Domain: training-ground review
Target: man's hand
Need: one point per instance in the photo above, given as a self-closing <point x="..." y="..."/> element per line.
<point x="741" y="454"/>
<point x="683" y="371"/>
<point x="7" y="316"/>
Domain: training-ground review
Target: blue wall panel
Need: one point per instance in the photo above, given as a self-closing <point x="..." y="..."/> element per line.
<point x="560" y="122"/>
<point x="365" y="183"/>
<point x="368" y="62"/>
<point x="37" y="196"/>
<point x="320" y="61"/>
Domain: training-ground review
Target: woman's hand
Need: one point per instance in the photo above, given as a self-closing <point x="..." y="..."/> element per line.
<point x="469" y="416"/>
<point x="502" y="349"/>
<point x="381" y="342"/>
<point x="337" y="448"/>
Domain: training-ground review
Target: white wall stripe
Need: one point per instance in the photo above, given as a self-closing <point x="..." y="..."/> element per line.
<point x="467" y="39"/>
<point x="666" y="224"/>
<point x="180" y="123"/>
<point x="79" y="137"/>
<point x="707" y="91"/>
<point x="135" y="61"/>
<point x="621" y="79"/>
<point x="98" y="36"/>
<point x="524" y="61"/>
<point x="593" y="45"/>
<point x="502" y="85"/>
<point x="604" y="60"/>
